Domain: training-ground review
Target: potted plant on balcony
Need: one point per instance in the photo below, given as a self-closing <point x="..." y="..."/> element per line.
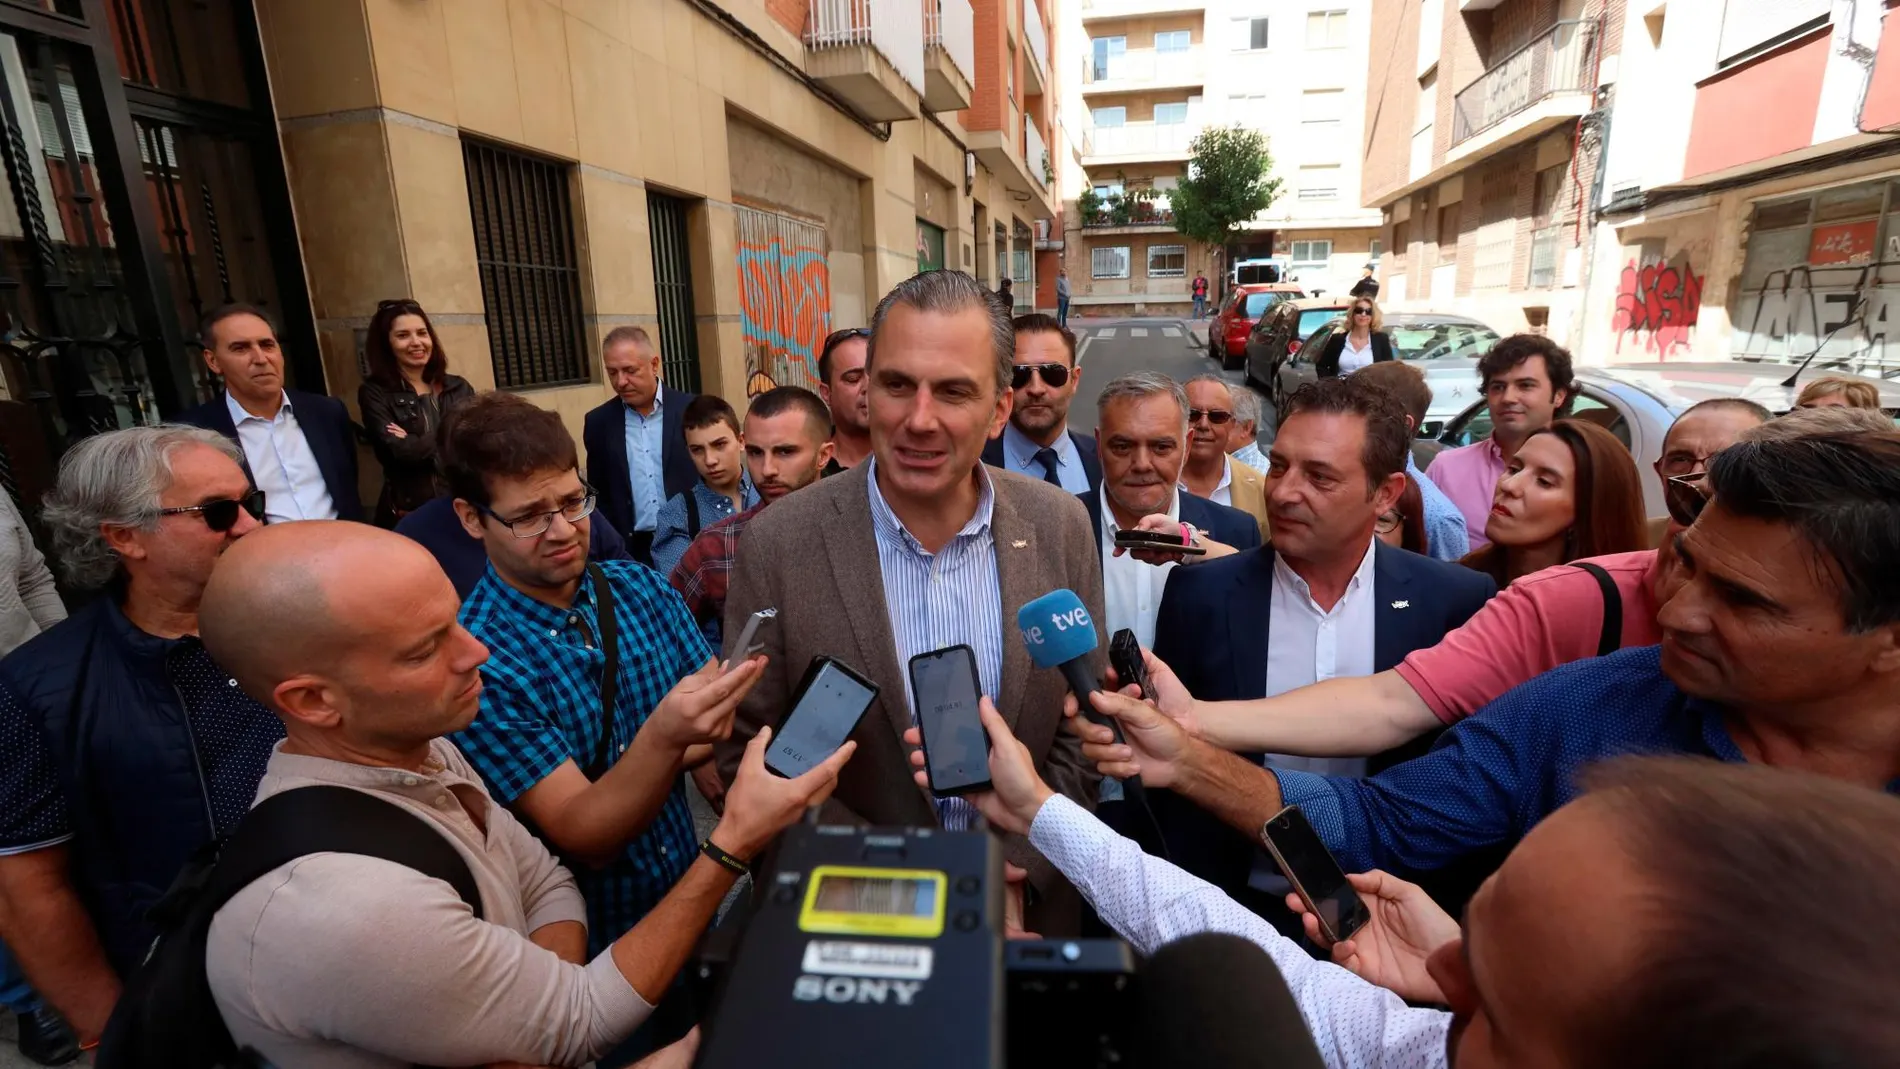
<point x="1089" y="204"/>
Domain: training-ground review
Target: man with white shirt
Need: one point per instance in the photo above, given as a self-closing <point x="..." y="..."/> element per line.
<point x="1209" y="471"/>
<point x="1037" y="441"/>
<point x="1243" y="442"/>
<point x="300" y="447"/>
<point x="1141" y="427"/>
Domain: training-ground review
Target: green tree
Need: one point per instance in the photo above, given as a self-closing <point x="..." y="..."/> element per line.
<point x="1229" y="181"/>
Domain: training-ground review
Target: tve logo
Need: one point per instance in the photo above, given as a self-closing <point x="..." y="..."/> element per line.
<point x="1072" y="620"/>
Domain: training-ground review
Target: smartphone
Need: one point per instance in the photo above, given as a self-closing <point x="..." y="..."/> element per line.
<point x="1124" y="654"/>
<point x="748" y="643"/>
<point x="1157" y="540"/>
<point x="1315" y="876"/>
<point x="945" y="687"/>
<point x="826" y="708"/>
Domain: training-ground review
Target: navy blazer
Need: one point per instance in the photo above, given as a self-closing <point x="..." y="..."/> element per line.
<point x="1084" y="447"/>
<point x="326" y="425"/>
<point x="1213" y="629"/>
<point x="604" y="434"/>
<point x="1221" y="522"/>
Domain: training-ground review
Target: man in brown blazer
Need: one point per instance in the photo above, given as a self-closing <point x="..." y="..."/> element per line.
<point x="919" y="549"/>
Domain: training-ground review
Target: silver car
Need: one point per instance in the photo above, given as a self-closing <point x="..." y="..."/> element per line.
<point x="1445" y="347"/>
<point x="1638" y="402"/>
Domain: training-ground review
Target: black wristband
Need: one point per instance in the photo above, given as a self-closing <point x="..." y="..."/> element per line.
<point x="711" y="850"/>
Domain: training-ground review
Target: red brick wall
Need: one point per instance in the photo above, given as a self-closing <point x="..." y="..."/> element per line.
<point x="989" y="95"/>
<point x="788" y="13"/>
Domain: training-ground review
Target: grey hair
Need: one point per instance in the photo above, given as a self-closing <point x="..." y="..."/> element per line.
<point x="946" y="292"/>
<point x="114" y="478"/>
<point x="1215" y="379"/>
<point x="1140" y="386"/>
<point x="1831" y="420"/>
<point x="627" y="335"/>
<point x="1246" y="406"/>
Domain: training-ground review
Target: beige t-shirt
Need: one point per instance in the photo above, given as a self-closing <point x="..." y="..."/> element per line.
<point x="340" y="961"/>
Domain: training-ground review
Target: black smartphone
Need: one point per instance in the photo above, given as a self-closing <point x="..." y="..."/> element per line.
<point x="945" y="687"/>
<point x="1157" y="540"/>
<point x="826" y="708"/>
<point x="1315" y="876"/>
<point x="1124" y="655"/>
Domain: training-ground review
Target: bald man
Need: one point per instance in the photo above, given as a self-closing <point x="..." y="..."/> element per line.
<point x="342" y="960"/>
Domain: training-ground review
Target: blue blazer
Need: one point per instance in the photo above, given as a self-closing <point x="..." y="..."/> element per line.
<point x="326" y="425"/>
<point x="604" y="434"/>
<point x="1213" y="629"/>
<point x="1084" y="447"/>
<point x="1223" y="524"/>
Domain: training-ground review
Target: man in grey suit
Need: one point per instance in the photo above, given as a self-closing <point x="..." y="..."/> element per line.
<point x="921" y="548"/>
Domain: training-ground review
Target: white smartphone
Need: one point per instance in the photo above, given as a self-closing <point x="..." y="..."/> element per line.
<point x="748" y="643"/>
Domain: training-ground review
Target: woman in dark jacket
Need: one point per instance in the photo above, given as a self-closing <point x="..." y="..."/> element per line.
<point x="1364" y="342"/>
<point x="405" y="398"/>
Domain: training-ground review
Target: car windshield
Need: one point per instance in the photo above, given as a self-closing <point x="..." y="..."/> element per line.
<point x="1314" y="318"/>
<point x="1440" y="341"/>
<point x="1260" y="302"/>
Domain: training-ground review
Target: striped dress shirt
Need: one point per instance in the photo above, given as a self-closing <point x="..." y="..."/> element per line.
<point x="940" y="599"/>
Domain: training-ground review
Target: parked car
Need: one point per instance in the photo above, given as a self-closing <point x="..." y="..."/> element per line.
<point x="1282" y="330"/>
<point x="1445" y="347"/>
<point x="1227" y="333"/>
<point x="1638" y="402"/>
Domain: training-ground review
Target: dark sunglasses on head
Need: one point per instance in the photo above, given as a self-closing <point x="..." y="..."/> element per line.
<point x="1054" y="376"/>
<point x="398" y="302"/>
<point x="1214" y="415"/>
<point x="839" y="337"/>
<point x="1686" y="496"/>
<point x="221" y="516"/>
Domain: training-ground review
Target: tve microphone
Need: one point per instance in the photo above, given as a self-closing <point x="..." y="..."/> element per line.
<point x="1217" y="1001"/>
<point x="1057" y="629"/>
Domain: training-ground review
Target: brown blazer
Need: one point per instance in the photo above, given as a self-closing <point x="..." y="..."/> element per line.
<point x="813" y="556"/>
<point x="1248" y="491"/>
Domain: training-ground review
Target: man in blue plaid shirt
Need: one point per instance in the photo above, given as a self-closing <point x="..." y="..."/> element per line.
<point x="513" y="471"/>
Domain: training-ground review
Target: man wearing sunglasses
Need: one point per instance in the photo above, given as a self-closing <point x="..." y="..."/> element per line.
<point x="1210" y="472"/>
<point x="1037" y="441"/>
<point x="841" y="383"/>
<point x="123" y="699"/>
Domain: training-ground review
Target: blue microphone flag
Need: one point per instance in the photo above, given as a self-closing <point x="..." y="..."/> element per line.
<point x="1057" y="629"/>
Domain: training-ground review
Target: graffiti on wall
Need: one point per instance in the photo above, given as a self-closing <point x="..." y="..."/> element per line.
<point x="1841" y="315"/>
<point x="784" y="299"/>
<point x="1657" y="305"/>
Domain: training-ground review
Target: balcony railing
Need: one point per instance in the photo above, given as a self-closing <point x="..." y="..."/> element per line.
<point x="1140" y="213"/>
<point x="1146" y="65"/>
<point x="951" y="26"/>
<point x="1037" y="35"/>
<point x="1561" y="61"/>
<point x="893" y="28"/>
<point x="1035" y="153"/>
<point x="1142" y="138"/>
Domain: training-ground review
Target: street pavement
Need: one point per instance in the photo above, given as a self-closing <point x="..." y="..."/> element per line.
<point x="1109" y="348"/>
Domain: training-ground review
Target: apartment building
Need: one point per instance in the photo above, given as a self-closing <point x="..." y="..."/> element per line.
<point x="1149" y="76"/>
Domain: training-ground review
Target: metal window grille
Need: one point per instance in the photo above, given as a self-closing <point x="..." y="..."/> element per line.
<point x="1109" y="261"/>
<point x="524" y="249"/>
<point x="1167" y="261"/>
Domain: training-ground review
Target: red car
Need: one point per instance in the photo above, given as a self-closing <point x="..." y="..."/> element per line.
<point x="1227" y="334"/>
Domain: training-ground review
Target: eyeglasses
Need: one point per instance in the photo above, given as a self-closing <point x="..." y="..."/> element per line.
<point x="1674" y="464"/>
<point x="221" y="516"/>
<point x="1054" y="376"/>
<point x="1214" y="416"/>
<point x="1686" y="496"/>
<point x="533" y="526"/>
<point x="1387" y="522"/>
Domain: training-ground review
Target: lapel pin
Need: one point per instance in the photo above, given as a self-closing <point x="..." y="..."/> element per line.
<point x="1020" y="543"/>
<point x="1401" y="604"/>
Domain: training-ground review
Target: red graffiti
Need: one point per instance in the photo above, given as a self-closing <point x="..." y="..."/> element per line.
<point x="1659" y="304"/>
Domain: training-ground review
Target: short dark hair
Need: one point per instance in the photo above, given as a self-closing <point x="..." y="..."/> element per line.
<point x="381" y="357"/>
<point x="1766" y="892"/>
<point x="1841" y="493"/>
<point x="832" y="342"/>
<point x="1038" y="323"/>
<point x="1509" y="352"/>
<point x="707" y="409"/>
<point x="1404" y="382"/>
<point x="782" y="399"/>
<point x="501" y="435"/>
<point x="1386" y="437"/>
<point x="226" y="311"/>
<point x="947" y="291"/>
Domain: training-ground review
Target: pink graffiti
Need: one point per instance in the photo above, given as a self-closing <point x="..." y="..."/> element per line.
<point x="1658" y="305"/>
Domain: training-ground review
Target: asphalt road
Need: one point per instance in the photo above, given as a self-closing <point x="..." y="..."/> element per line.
<point x="1109" y="348"/>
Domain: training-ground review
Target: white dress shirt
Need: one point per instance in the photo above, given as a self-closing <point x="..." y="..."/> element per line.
<point x="1223" y="491"/>
<point x="1150" y="903"/>
<point x="1307" y="644"/>
<point x="1130" y="588"/>
<point x="1353" y="357"/>
<point x="282" y="464"/>
<point x="1019" y="456"/>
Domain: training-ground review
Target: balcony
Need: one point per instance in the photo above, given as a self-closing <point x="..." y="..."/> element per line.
<point x="1144" y="68"/>
<point x="1130" y="217"/>
<point x="1139" y="142"/>
<point x="870" y="52"/>
<point x="1036" y="155"/>
<point x="1106" y="10"/>
<point x="1036" y="71"/>
<point x="1544" y="84"/>
<point x="1004" y="152"/>
<point x="949" y="54"/>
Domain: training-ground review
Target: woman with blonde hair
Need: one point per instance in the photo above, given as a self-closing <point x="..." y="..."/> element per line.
<point x="1838" y="392"/>
<point x="1363" y="344"/>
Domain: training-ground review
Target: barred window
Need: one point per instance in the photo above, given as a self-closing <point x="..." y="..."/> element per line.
<point x="524" y="250"/>
<point x="1110" y="261"/>
<point x="1167" y="261"/>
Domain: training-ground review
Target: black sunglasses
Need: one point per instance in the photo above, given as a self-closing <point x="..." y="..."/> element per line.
<point x="1686" y="496"/>
<point x="1214" y="415"/>
<point x="1054" y="376"/>
<point x="221" y="516"/>
<point x="839" y="337"/>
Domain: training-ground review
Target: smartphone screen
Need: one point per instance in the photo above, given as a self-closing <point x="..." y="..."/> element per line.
<point x="1310" y="867"/>
<point x="824" y="714"/>
<point x="944" y="685"/>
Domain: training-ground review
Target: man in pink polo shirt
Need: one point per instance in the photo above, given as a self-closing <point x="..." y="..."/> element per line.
<point x="1527" y="382"/>
<point x="1541" y="621"/>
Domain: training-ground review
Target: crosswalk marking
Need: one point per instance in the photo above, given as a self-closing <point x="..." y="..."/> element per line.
<point x="1137" y="332"/>
<point x="1170" y="332"/>
<point x="1106" y="332"/>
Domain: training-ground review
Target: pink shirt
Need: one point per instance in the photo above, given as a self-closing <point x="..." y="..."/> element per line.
<point x="1469" y="476"/>
<point x="1543" y="620"/>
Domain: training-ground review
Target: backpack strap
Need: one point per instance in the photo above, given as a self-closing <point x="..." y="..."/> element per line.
<point x="1611" y="638"/>
<point x="607" y="630"/>
<point x="692" y="515"/>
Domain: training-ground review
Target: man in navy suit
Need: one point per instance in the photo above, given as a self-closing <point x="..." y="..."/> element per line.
<point x="1142" y="429"/>
<point x="300" y="447"/>
<point x="1037" y="441"/>
<point x="1325" y="598"/>
<point x="636" y="452"/>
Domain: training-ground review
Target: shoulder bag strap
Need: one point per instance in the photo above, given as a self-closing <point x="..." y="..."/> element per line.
<point x="692" y="515"/>
<point x="1611" y="638"/>
<point x="608" y="630"/>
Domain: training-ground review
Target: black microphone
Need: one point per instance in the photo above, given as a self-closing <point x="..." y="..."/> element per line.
<point x="1217" y="1001"/>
